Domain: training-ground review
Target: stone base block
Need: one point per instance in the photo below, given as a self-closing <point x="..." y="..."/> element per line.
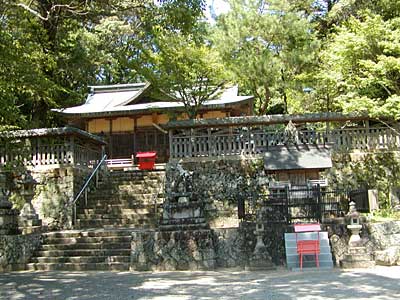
<point x="357" y="258"/>
<point x="172" y="250"/>
<point x="257" y="265"/>
<point x="354" y="264"/>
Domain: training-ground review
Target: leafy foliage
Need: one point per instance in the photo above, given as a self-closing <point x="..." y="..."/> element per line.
<point x="267" y="46"/>
<point x="51" y="50"/>
<point x="293" y="56"/>
<point x="361" y="69"/>
<point x="185" y="68"/>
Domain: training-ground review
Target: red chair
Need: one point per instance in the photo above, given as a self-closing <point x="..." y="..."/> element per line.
<point x="308" y="247"/>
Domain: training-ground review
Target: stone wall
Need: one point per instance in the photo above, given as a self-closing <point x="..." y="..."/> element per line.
<point x="173" y="250"/>
<point x="189" y="249"/>
<point x="385" y="241"/>
<point x="16" y="250"/>
<point x="55" y="187"/>
<point x="220" y="183"/>
<point x="382" y="241"/>
<point x="200" y="249"/>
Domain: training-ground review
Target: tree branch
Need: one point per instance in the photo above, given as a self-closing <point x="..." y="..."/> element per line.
<point x="34" y="12"/>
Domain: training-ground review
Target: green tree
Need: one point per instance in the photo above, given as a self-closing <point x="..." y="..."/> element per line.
<point x="184" y="67"/>
<point x="361" y="67"/>
<point x="268" y="45"/>
<point x="52" y="49"/>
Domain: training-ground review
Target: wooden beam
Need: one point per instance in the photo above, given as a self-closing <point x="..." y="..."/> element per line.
<point x="265" y="120"/>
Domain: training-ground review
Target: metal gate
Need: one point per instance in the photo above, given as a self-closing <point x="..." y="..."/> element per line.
<point x="302" y="204"/>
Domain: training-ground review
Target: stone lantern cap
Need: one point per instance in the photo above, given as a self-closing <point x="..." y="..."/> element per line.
<point x="353" y="215"/>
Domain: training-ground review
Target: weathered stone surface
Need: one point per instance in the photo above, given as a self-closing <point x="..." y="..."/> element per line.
<point x="191" y="249"/>
<point x="16" y="250"/>
<point x="381" y="240"/>
<point x="383" y="236"/>
<point x="388" y="257"/>
<point x="55" y="188"/>
<point x="230" y="248"/>
<point x="219" y="184"/>
<point x="173" y="250"/>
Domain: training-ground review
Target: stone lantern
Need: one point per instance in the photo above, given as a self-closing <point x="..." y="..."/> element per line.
<point x="260" y="259"/>
<point x="356" y="256"/>
<point x="354" y="225"/>
<point x="8" y="216"/>
<point x="28" y="217"/>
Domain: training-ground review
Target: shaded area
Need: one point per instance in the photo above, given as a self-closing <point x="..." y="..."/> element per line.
<point x="298" y="157"/>
<point x="378" y="283"/>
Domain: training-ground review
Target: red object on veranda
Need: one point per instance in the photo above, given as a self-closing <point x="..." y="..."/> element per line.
<point x="308" y="247"/>
<point x="146" y="160"/>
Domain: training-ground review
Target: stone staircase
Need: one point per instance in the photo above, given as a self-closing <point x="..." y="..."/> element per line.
<point x="102" y="241"/>
<point x="124" y="199"/>
<point x="76" y="250"/>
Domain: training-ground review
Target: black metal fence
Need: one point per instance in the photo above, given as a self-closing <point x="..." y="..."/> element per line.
<point x="302" y="204"/>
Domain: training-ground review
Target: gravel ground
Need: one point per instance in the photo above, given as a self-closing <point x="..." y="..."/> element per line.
<point x="377" y="283"/>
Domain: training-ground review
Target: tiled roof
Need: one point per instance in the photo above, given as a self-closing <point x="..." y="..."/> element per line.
<point x="119" y="99"/>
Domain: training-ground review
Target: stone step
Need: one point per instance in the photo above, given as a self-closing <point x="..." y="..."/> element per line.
<point x="139" y="209"/>
<point x="136" y="174"/>
<point x="183" y="221"/>
<point x="65" y="239"/>
<point x="87" y="233"/>
<point x="122" y="200"/>
<point x="78" y="267"/>
<point x="81" y="259"/>
<point x="85" y="246"/>
<point x="99" y="223"/>
<point x="117" y="206"/>
<point x="83" y="252"/>
<point x="115" y="189"/>
<point x="124" y="216"/>
<point x="134" y="180"/>
<point x="65" y="244"/>
<point x="124" y="192"/>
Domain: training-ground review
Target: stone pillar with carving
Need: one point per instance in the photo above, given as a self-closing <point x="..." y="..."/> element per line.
<point x="29" y="220"/>
<point x="8" y="215"/>
<point x="357" y="256"/>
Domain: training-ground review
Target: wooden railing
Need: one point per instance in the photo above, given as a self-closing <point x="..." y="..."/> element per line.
<point x="40" y="154"/>
<point x="253" y="141"/>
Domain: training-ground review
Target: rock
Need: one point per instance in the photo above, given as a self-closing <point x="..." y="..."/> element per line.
<point x="388" y="257"/>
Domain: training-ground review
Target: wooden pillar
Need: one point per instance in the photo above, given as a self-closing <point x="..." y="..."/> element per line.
<point x="209" y="142"/>
<point x="110" y="139"/>
<point x="72" y="150"/>
<point x="134" y="135"/>
<point x="171" y="153"/>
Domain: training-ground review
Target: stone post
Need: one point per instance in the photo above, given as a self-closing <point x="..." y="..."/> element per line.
<point x="29" y="219"/>
<point x="8" y="216"/>
<point x="373" y="200"/>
